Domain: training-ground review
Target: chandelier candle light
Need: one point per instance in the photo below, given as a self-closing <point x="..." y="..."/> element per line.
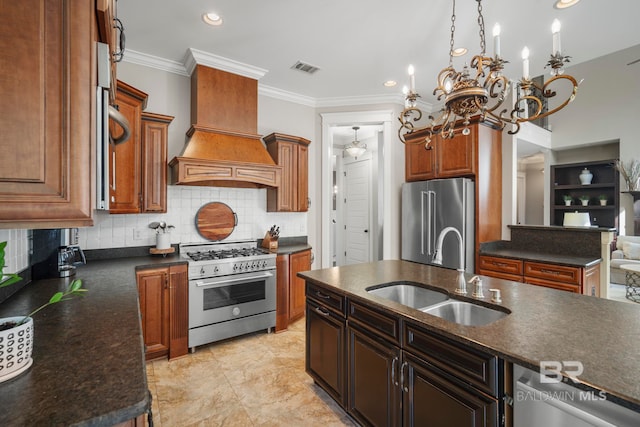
<point x="481" y="89"/>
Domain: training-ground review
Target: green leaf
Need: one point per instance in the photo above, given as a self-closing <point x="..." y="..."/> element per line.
<point x="57" y="297"/>
<point x="75" y="285"/>
<point x="3" y="245"/>
<point x="8" y="279"/>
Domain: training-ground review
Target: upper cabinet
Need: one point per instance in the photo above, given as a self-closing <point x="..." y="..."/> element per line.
<point x="110" y="32"/>
<point x="138" y="167"/>
<point x="47" y="141"/>
<point x="442" y="158"/>
<point x="595" y="192"/>
<point x="292" y="153"/>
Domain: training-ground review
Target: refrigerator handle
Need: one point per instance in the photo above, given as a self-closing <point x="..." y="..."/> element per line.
<point x="423" y="228"/>
<point x="432" y="221"/>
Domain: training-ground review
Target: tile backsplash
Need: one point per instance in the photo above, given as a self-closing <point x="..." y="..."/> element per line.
<point x="16" y="256"/>
<point x="183" y="202"/>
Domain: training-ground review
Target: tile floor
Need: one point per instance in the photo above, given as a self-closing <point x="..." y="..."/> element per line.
<point x="253" y="380"/>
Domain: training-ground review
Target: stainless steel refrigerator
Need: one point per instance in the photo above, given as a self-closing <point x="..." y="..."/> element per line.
<point x="429" y="210"/>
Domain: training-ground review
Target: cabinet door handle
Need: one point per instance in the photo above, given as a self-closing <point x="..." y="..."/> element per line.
<point x="322" y="312"/>
<point x="394" y="381"/>
<point x="321" y="295"/>
<point x="402" y="381"/>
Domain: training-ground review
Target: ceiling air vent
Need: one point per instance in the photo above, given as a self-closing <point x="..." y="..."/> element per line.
<point x="304" y="67"/>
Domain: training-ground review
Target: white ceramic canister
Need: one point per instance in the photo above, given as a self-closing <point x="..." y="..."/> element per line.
<point x="163" y="241"/>
<point x="586" y="176"/>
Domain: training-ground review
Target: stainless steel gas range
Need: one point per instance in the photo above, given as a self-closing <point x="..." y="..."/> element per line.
<point x="232" y="290"/>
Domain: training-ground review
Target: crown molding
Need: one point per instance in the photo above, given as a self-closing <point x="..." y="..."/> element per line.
<point x="156" y="62"/>
<point x="194" y="57"/>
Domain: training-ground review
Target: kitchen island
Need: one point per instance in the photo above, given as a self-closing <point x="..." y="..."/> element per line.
<point x="89" y="367"/>
<point x="543" y="325"/>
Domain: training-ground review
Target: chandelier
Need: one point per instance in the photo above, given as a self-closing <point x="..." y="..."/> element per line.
<point x="355" y="149"/>
<point x="481" y="89"/>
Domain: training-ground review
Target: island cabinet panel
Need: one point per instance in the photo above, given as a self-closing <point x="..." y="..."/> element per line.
<point x="434" y="398"/>
<point x="397" y="372"/>
<point x="290" y="289"/>
<point x="163" y="295"/>
<point x="325" y="355"/>
<point x="374" y="395"/>
<point x="48" y="90"/>
<point x="471" y="366"/>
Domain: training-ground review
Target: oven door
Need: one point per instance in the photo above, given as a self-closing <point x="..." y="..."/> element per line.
<point x="218" y="299"/>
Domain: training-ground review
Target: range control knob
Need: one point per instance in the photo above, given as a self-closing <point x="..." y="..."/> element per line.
<point x="202" y="271"/>
<point x="216" y="269"/>
<point x="235" y="267"/>
<point x="235" y="311"/>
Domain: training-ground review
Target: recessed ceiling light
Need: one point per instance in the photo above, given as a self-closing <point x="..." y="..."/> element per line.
<point x="212" y="18"/>
<point x="459" y="51"/>
<point x="390" y="83"/>
<point x="563" y="4"/>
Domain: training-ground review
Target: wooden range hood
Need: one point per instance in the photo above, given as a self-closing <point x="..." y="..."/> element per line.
<point x="224" y="149"/>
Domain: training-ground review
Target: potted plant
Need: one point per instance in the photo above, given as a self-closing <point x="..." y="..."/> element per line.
<point x="585" y="200"/>
<point x="603" y="199"/>
<point x="567" y="199"/>
<point x="16" y="333"/>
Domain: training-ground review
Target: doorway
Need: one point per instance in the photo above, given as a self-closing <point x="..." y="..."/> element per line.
<point x="362" y="207"/>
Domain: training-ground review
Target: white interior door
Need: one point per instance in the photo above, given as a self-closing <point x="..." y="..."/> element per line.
<point x="357" y="203"/>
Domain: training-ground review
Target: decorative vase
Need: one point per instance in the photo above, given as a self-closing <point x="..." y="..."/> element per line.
<point x="585" y="177"/>
<point x="16" y="346"/>
<point x="163" y="241"/>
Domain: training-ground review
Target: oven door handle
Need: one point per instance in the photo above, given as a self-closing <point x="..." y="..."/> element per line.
<point x="225" y="280"/>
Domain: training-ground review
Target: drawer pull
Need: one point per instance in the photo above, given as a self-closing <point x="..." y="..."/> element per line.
<point x="542" y="270"/>
<point x="321" y="295"/>
<point x="322" y="312"/>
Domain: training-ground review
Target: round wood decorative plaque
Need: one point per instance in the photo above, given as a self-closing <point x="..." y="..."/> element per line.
<point x="215" y="221"/>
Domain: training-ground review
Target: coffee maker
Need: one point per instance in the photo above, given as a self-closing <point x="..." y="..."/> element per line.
<point x="56" y="253"/>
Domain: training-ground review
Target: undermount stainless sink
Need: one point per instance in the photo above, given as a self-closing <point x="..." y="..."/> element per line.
<point x="465" y="313"/>
<point x="408" y="294"/>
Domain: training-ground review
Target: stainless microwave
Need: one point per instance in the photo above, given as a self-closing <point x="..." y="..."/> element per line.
<point x="104" y="113"/>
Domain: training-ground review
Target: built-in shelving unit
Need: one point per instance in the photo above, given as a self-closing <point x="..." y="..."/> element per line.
<point x="565" y="180"/>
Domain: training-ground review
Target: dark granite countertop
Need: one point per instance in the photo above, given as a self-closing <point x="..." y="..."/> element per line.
<point x="89" y="367"/>
<point x="290" y="245"/>
<point x="561" y="228"/>
<point x="573" y="261"/>
<point x="544" y="324"/>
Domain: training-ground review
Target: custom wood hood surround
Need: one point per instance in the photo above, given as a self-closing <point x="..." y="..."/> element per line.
<point x="223" y="148"/>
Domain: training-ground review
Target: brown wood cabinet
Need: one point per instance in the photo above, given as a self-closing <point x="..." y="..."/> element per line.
<point x="48" y="141"/>
<point x="125" y="159"/>
<point x="164" y="304"/>
<point x="325" y="355"/>
<point x="138" y="167"/>
<point x="292" y="153"/>
<point x="478" y="156"/>
<point x="398" y="372"/>
<point x="585" y="280"/>
<point x="155" y="128"/>
<point x="290" y="291"/>
<point x="107" y="33"/>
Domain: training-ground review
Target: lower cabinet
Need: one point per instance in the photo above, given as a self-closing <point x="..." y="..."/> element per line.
<point x="164" y="303"/>
<point x="398" y="373"/>
<point x="585" y="280"/>
<point x="325" y="349"/>
<point x="290" y="292"/>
